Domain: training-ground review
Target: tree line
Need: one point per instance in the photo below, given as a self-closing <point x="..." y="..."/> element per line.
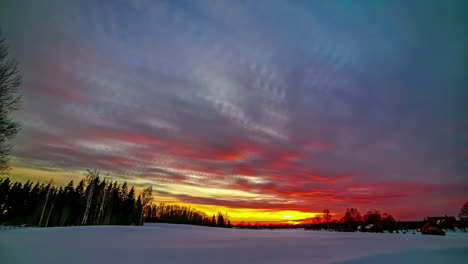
<point x="372" y="221"/>
<point x="177" y="214"/>
<point x="93" y="201"/>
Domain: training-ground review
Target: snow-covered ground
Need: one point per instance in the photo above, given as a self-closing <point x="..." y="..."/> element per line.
<point x="166" y="243"/>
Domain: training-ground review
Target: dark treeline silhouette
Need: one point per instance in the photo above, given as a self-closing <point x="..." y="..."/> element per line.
<point x="352" y="221"/>
<point x="178" y="214"/>
<point x="372" y="221"/>
<point x="92" y="202"/>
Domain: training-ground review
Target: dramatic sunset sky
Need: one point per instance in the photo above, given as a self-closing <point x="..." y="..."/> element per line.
<point x="269" y="110"/>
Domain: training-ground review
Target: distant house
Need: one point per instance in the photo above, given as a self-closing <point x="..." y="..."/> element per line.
<point x="434" y="225"/>
<point x="445" y="222"/>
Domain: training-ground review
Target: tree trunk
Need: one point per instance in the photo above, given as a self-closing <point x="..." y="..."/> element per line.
<point x="88" y="203"/>
<point x="101" y="208"/>
<point x="141" y="216"/>
<point x="48" y="216"/>
<point x="43" y="209"/>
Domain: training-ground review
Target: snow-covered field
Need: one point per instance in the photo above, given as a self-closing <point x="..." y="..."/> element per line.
<point x="166" y="243"/>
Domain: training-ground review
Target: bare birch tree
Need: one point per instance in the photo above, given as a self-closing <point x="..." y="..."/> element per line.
<point x="50" y="212"/>
<point x="49" y="186"/>
<point x="91" y="177"/>
<point x="146" y="198"/>
<point x="327" y="217"/>
<point x="104" y="195"/>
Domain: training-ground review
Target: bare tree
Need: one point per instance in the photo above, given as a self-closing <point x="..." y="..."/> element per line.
<point x="105" y="193"/>
<point x="464" y="211"/>
<point x="10" y="101"/>
<point x="352" y="218"/>
<point x="327" y="217"/>
<point x="91" y="177"/>
<point x="146" y="198"/>
<point x="352" y="215"/>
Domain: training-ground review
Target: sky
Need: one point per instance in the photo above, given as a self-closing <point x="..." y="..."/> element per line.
<point x="269" y="110"/>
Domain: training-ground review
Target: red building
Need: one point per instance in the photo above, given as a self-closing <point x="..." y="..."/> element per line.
<point x="435" y="224"/>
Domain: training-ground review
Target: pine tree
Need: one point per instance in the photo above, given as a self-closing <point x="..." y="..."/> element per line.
<point x="221" y="222"/>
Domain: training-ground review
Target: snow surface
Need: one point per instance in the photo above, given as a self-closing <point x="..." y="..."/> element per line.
<point x="166" y="243"/>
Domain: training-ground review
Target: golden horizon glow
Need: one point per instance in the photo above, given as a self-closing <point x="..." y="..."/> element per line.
<point x="254" y="215"/>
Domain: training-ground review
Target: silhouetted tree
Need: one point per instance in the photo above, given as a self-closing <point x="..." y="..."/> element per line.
<point x="352" y="218"/>
<point x="10" y="101"/>
<point x="373" y="221"/>
<point x="326" y="215"/>
<point x="464" y="212"/>
<point x="146" y="198"/>
<point x="388" y="222"/>
<point x="220" y="221"/>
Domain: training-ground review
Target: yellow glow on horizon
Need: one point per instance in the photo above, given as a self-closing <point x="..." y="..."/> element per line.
<point x="253" y="215"/>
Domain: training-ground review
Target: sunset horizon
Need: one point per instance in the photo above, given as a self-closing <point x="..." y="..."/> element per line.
<point x="270" y="112"/>
<point x="238" y="215"/>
